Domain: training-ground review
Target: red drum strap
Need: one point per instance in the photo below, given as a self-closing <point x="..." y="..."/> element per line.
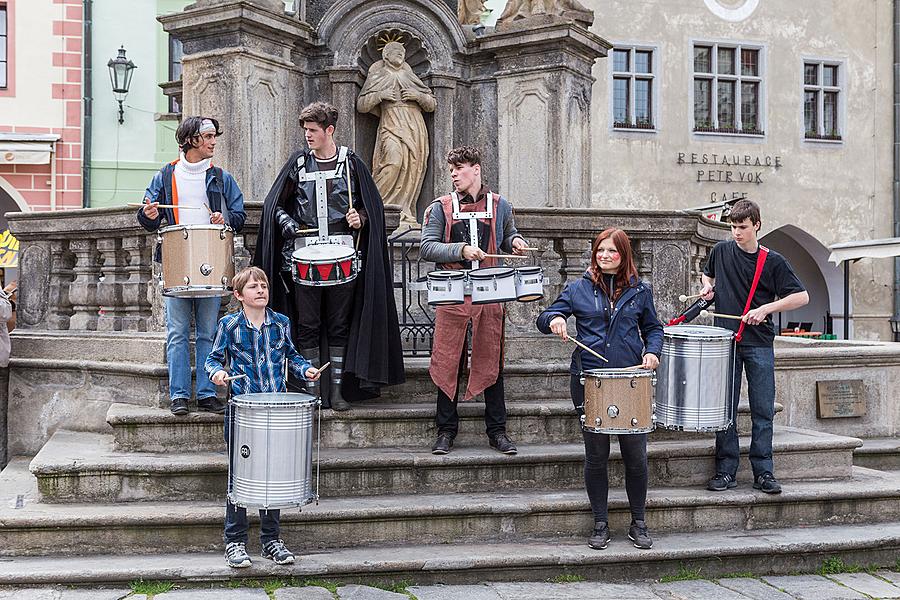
<point x="760" y="261"/>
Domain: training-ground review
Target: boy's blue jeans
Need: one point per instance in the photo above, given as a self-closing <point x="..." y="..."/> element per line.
<point x="236" y="522"/>
<point x="759" y="364"/>
<point x="205" y="312"/>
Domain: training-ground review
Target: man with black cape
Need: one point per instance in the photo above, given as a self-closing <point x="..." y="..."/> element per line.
<point x="359" y="317"/>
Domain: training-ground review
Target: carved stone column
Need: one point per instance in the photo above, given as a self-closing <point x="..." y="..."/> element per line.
<point x="544" y="106"/>
<point x="83" y="291"/>
<point x="345" y="86"/>
<point x="109" y="289"/>
<point x="138" y="271"/>
<point x="436" y="179"/>
<point x="62" y="263"/>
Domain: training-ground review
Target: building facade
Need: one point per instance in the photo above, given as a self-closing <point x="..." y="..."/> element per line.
<point x="786" y="103"/>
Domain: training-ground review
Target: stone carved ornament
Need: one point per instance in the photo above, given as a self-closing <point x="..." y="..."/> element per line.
<point x="469" y="12"/>
<point x="523" y="9"/>
<point x="397" y="96"/>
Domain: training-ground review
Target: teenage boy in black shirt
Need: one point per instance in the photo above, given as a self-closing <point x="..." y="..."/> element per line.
<point x="731" y="267"/>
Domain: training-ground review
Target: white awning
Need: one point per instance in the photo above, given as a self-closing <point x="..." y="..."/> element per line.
<point x="853" y="251"/>
<point x="26" y="149"/>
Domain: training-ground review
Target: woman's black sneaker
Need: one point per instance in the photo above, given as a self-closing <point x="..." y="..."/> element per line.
<point x="599" y="540"/>
<point x="639" y="535"/>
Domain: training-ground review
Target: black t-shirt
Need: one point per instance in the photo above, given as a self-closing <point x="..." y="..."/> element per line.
<point x="733" y="270"/>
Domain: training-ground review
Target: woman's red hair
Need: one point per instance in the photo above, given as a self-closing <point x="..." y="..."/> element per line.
<point x="626" y="275"/>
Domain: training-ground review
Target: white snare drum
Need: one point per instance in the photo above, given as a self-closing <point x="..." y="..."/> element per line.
<point x="197" y="260"/>
<point x="324" y="264"/>
<point x="270" y="450"/>
<point x="529" y="284"/>
<point x="446" y="288"/>
<point x="493" y="284"/>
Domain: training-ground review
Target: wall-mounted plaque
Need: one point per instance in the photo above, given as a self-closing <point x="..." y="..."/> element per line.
<point x="840" y="398"/>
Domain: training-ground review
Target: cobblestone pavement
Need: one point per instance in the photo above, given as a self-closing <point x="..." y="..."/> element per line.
<point x="882" y="585"/>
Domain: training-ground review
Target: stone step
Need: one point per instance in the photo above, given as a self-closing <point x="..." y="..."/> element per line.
<point x="152" y="527"/>
<point x="146" y="429"/>
<point x="713" y="553"/>
<point x="879" y="453"/>
<point x="76" y="466"/>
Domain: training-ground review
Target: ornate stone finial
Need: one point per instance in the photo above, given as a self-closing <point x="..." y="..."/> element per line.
<point x="568" y="9"/>
<point x="469" y="12"/>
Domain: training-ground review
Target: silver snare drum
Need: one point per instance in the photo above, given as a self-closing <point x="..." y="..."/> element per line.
<point x="529" y="283"/>
<point x="270" y="450"/>
<point x="493" y="284"/>
<point x="446" y="288"/>
<point x="695" y="378"/>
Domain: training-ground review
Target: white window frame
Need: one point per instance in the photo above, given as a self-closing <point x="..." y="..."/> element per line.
<point x="4" y="36"/>
<point x="714" y="77"/>
<point x="841" y="90"/>
<point x="652" y="77"/>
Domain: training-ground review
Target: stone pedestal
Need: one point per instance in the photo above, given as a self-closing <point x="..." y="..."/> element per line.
<point x="544" y="109"/>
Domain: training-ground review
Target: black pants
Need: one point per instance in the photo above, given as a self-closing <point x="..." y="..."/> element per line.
<point x="326" y="306"/>
<point x="596" y="459"/>
<point x="447" y="418"/>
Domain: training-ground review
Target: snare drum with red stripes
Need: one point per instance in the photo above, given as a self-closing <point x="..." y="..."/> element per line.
<point x="324" y="264"/>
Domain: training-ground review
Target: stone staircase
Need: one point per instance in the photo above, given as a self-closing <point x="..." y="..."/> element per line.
<point x="153" y="486"/>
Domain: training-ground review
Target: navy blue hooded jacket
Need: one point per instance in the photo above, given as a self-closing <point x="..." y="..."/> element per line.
<point x="621" y="334"/>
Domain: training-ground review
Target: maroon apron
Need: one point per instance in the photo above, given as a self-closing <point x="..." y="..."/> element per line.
<point x="451" y="324"/>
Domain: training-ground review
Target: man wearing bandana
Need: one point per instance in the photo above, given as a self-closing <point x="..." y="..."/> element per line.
<point x="207" y="194"/>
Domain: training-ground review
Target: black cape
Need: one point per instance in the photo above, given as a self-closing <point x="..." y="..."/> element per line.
<point x="374" y="351"/>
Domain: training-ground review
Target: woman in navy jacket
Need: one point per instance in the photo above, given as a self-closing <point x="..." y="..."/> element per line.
<point x="614" y="315"/>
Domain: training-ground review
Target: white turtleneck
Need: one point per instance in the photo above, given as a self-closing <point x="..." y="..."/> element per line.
<point x="191" y="181"/>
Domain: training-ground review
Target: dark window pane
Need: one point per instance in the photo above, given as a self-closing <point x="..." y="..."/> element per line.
<point x="176" y="51"/>
<point x="620" y="60"/>
<point x="830" y="75"/>
<point x="702" y="103"/>
<point x="811" y="74"/>
<point x="642" y="62"/>
<point x="726" y="104"/>
<point x="702" y="62"/>
<point x="620" y="100"/>
<point x="830" y="113"/>
<point x="642" y="100"/>
<point x="811" y="112"/>
<point x="750" y="106"/>
<point x="726" y="61"/>
<point x="750" y="62"/>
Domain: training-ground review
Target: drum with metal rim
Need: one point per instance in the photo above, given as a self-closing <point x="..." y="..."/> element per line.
<point x="197" y="260"/>
<point x="493" y="284"/>
<point x="529" y="283"/>
<point x="446" y="288"/>
<point x="324" y="264"/>
<point x="618" y="401"/>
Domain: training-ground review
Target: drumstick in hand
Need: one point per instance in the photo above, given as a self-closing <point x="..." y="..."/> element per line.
<point x="520" y="257"/>
<point x="706" y="313"/>
<point x="683" y="298"/>
<point x="233" y="377"/>
<point x="178" y="206"/>
<point x="325" y="366"/>
<point x="583" y="347"/>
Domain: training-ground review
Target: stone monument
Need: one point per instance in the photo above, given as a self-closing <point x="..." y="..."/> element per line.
<point x="398" y="97"/>
<point x="524" y="9"/>
<point x="469" y="11"/>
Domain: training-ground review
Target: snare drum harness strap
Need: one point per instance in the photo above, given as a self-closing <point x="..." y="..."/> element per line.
<point x="760" y="261"/>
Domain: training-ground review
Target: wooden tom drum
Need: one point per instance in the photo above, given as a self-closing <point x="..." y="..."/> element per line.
<point x="618" y="401"/>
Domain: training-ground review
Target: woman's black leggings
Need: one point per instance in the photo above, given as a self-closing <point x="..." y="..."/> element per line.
<point x="596" y="458"/>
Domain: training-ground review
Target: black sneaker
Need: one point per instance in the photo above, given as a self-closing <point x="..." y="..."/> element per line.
<point x="502" y="443"/>
<point x="211" y="405"/>
<point x="276" y="550"/>
<point x="599" y="540"/>
<point x="639" y="535"/>
<point x="443" y="444"/>
<point x="179" y="406"/>
<point x="236" y="555"/>
<point x="767" y="483"/>
<point x="721" y="482"/>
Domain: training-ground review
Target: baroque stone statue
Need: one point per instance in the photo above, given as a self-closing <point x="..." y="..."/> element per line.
<point x="522" y="9"/>
<point x="397" y="96"/>
<point x="469" y="11"/>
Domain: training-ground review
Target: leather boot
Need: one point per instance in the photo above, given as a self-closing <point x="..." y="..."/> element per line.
<point x="312" y="355"/>
<point x="337" y="372"/>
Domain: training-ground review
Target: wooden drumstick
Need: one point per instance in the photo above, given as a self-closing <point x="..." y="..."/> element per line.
<point x="208" y="209"/>
<point x="683" y="298"/>
<point x="325" y="366"/>
<point x="634" y="367"/>
<point x="507" y="256"/>
<point x="307" y="231"/>
<point x="583" y="347"/>
<point x="233" y="377"/>
<point x="530" y="248"/>
<point x="179" y="207"/>
<point x="706" y="313"/>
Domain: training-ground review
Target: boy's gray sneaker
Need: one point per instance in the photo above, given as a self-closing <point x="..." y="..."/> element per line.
<point x="276" y="551"/>
<point x="236" y="555"/>
<point x="639" y="535"/>
<point x="767" y="483"/>
<point x="599" y="540"/>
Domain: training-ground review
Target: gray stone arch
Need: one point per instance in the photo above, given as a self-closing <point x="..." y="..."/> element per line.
<point x="347" y="29"/>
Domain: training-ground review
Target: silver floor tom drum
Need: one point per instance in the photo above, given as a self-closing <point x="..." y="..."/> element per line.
<point x="270" y="450"/>
<point x="695" y="378"/>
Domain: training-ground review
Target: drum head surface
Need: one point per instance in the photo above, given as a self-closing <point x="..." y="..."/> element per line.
<point x="326" y="252"/>
<point x="443" y="275"/>
<point x="610" y="373"/>
<point x="531" y="270"/>
<point x="698" y="331"/>
<point x="273" y="399"/>
<point x="489" y="272"/>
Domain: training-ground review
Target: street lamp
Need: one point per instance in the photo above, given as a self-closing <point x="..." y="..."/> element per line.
<point x="120" y="71"/>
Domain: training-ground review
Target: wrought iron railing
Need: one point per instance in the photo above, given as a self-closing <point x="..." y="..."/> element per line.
<point x="416" y="317"/>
